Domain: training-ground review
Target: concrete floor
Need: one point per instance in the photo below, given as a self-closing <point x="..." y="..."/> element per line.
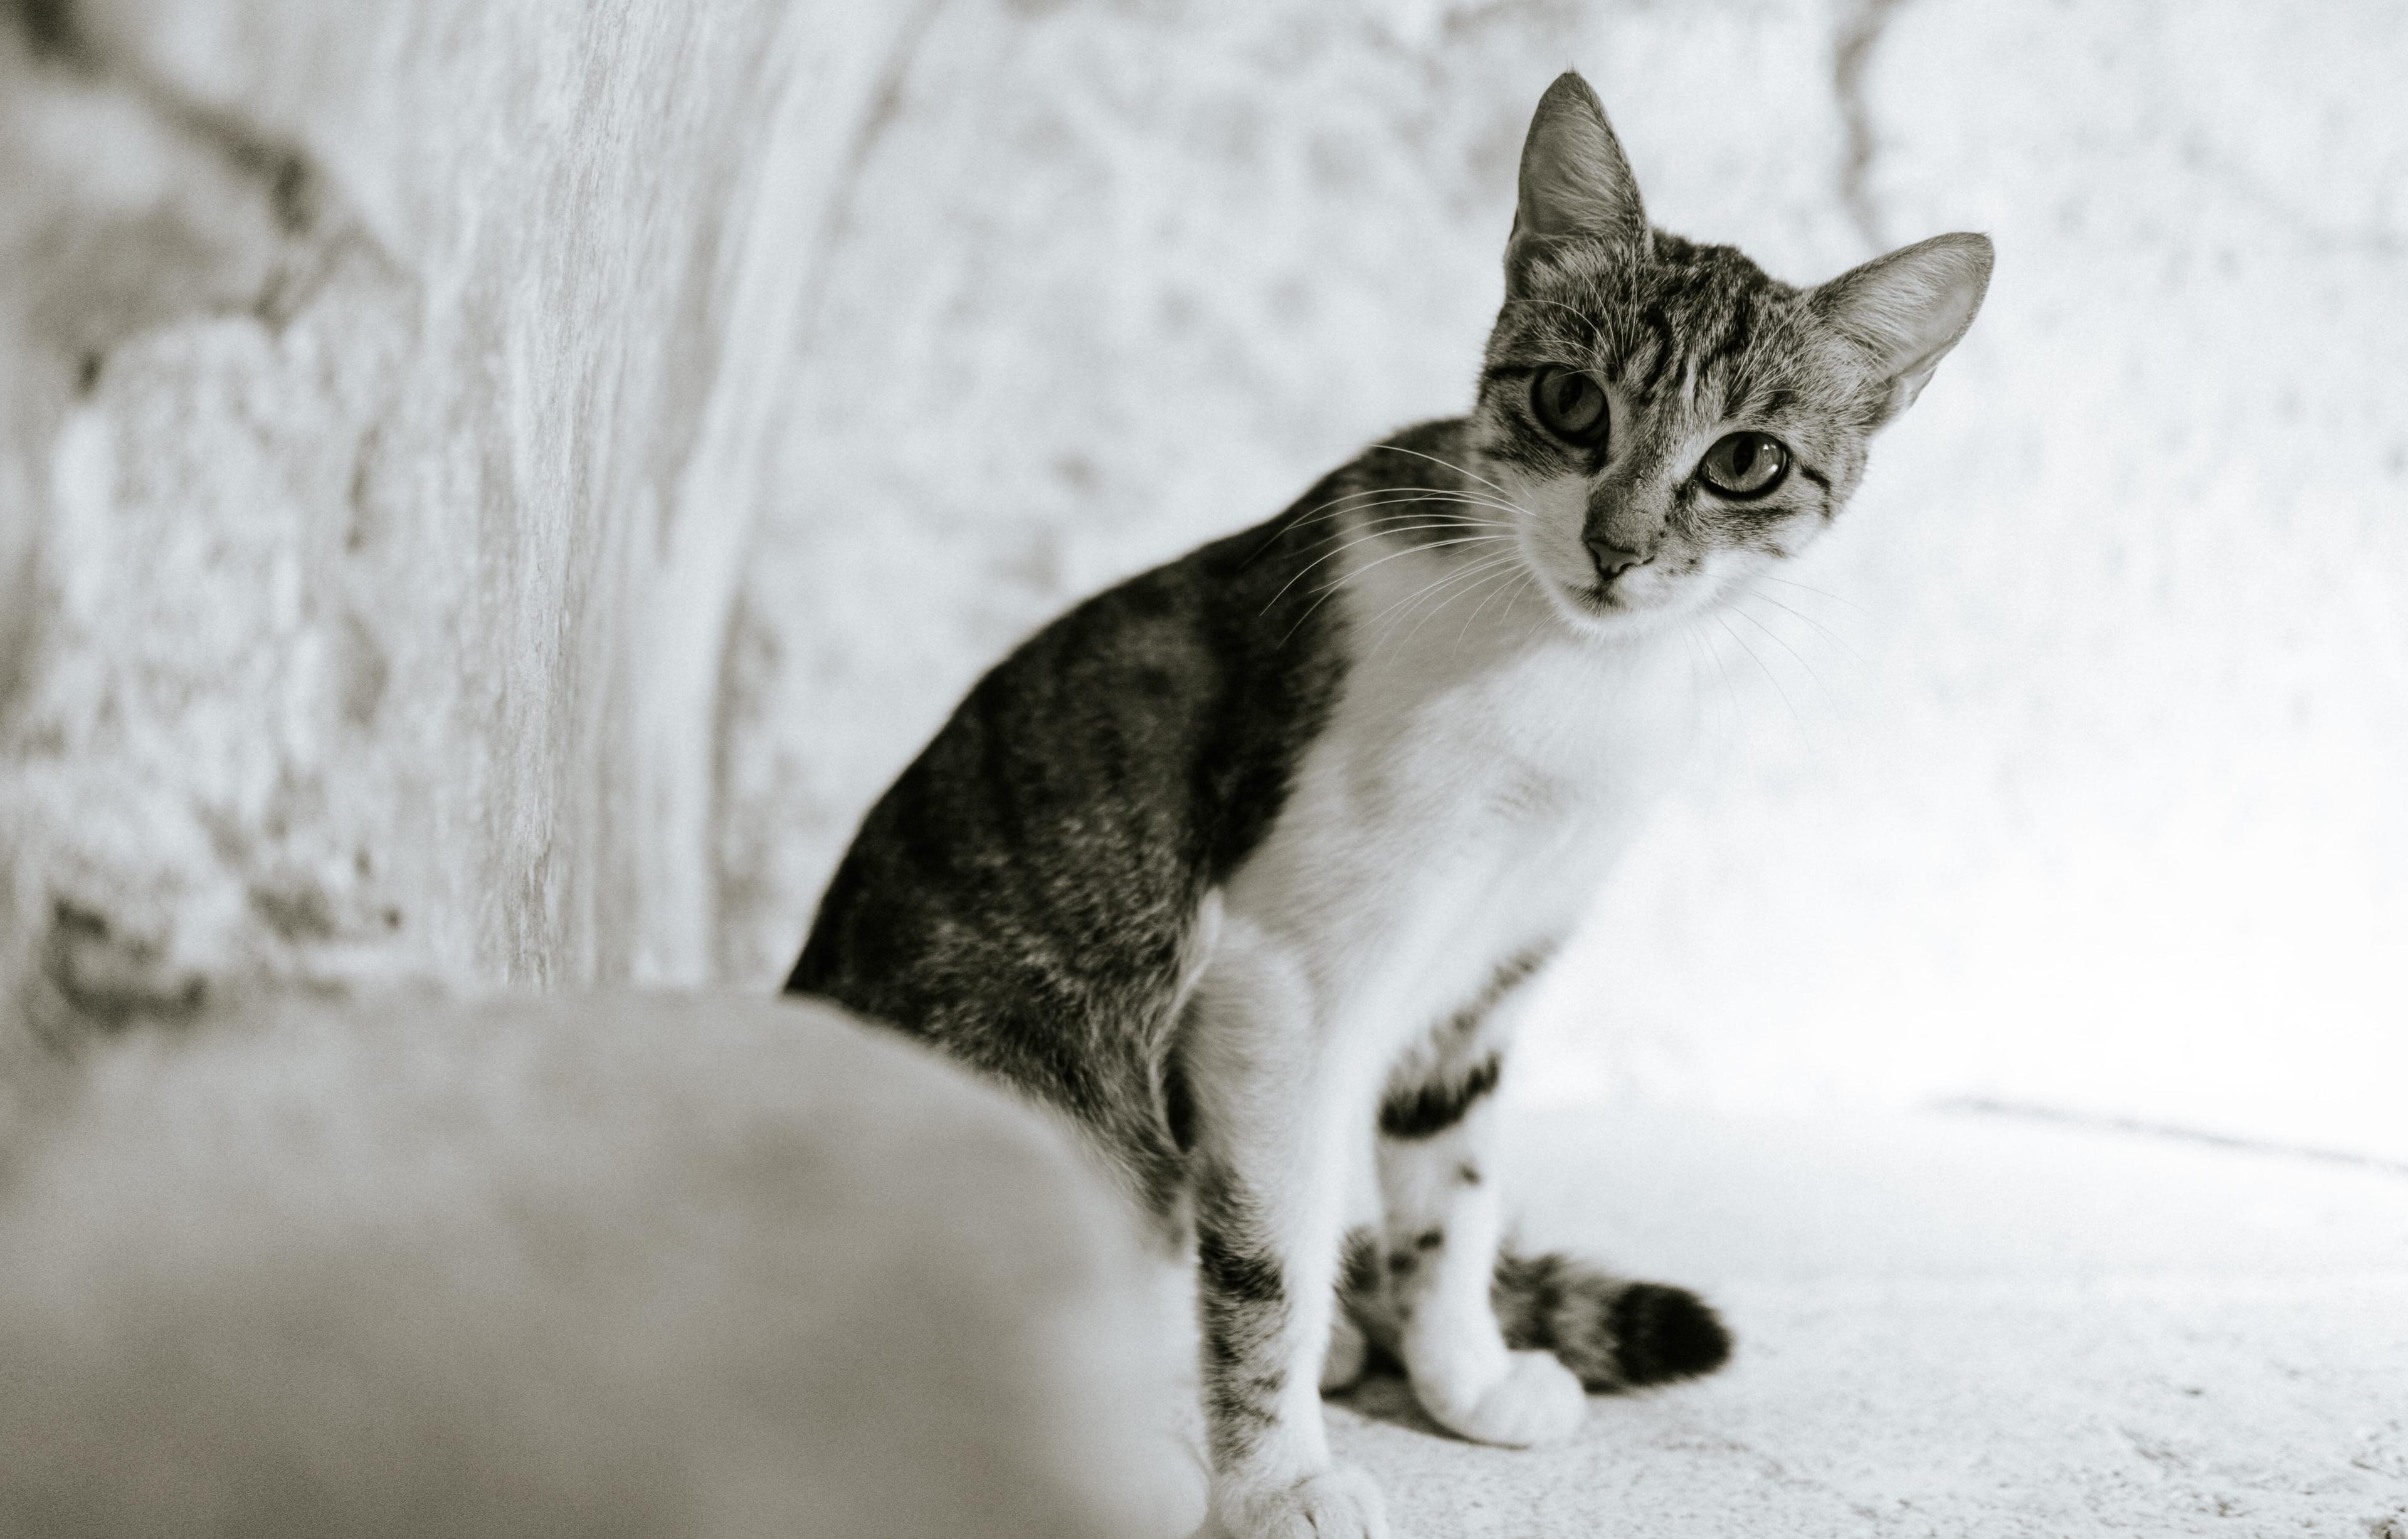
<point x="1956" y="1324"/>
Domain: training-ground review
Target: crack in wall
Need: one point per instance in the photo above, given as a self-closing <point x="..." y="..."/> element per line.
<point x="1859" y="35"/>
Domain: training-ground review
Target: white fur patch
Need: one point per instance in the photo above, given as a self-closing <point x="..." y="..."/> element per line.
<point x="1484" y="763"/>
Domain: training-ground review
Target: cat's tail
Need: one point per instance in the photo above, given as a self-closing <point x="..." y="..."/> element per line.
<point x="1615" y="1332"/>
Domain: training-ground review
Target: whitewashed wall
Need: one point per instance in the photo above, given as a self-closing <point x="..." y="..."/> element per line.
<point x="388" y="391"/>
<point x="368" y="531"/>
<point x="2078" y="775"/>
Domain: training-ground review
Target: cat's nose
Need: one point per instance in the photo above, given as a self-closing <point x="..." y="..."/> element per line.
<point x="1613" y="560"/>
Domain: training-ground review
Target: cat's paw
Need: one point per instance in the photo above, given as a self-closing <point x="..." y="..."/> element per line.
<point x="1343" y="1363"/>
<point x="1340" y="1502"/>
<point x="1537" y="1400"/>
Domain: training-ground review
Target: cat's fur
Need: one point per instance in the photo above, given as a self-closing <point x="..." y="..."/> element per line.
<point x="1245" y="861"/>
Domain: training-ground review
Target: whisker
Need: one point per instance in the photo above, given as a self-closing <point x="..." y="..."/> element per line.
<point x="1534" y="623"/>
<point x="1542" y="614"/>
<point x="1366" y="539"/>
<point x="1835" y="598"/>
<point x="1332" y="508"/>
<point x="1335" y="506"/>
<point x="1414" y="502"/>
<point x="1442" y="581"/>
<point x="1491" y="566"/>
<point x="1793" y="652"/>
<point x="1836" y="638"/>
<point x="1775" y="682"/>
<point x="1489" y="600"/>
<point x="1702" y="648"/>
<point x="1384" y="638"/>
<point x="1473" y="619"/>
<point x="1399" y="448"/>
<point x="1730" y="690"/>
<point x="1455" y="493"/>
<point x="1332" y="588"/>
<point x="1696" y="662"/>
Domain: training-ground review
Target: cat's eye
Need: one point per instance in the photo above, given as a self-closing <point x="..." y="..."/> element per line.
<point x="1571" y="404"/>
<point x="1745" y="464"/>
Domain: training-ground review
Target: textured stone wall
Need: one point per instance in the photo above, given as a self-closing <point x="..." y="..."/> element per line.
<point x="390" y="393"/>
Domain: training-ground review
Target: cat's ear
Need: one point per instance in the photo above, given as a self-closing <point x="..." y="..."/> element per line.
<point x="1575" y="180"/>
<point x="1908" y="308"/>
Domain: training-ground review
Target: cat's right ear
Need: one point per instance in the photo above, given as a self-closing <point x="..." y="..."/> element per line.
<point x="1575" y="179"/>
<point x="1908" y="308"/>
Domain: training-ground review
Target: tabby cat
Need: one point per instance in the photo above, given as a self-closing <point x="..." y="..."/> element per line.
<point x="1245" y="863"/>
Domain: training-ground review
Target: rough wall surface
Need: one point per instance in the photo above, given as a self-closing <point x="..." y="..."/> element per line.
<point x="2070" y="773"/>
<point x="389" y="388"/>
<point x="399" y="395"/>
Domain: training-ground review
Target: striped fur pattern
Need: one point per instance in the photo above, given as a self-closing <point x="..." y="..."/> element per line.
<point x="1246" y="864"/>
<point x="1612" y="1333"/>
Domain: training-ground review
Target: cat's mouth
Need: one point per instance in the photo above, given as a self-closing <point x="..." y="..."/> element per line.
<point x="1614" y="606"/>
<point x="1611" y="597"/>
<point x="1599" y="608"/>
<point x="1601" y="597"/>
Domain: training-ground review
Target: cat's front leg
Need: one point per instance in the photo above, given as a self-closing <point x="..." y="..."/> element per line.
<point x="1275" y="1102"/>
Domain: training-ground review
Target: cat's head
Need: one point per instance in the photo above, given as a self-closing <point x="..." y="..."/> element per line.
<point x="1670" y="419"/>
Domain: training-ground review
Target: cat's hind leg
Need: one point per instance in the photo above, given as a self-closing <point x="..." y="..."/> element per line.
<point x="1437" y="1247"/>
<point x="1432" y="1286"/>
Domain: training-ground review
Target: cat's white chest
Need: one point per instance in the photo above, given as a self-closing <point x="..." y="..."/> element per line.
<point x="1453" y="814"/>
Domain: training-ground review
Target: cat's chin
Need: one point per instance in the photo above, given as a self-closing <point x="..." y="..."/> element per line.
<point x="1597" y="612"/>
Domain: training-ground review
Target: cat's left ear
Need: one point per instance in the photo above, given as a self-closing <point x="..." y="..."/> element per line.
<point x="1908" y="308"/>
<point x="1575" y="180"/>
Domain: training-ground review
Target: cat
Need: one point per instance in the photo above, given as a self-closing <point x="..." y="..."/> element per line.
<point x="1245" y="863"/>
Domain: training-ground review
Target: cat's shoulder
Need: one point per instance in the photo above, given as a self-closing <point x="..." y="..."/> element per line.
<point x="1256" y="597"/>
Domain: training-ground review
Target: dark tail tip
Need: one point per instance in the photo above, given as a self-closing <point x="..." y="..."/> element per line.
<point x="1662" y="1333"/>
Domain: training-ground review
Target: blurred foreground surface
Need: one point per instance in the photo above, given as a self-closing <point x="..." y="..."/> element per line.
<point x="595" y="1264"/>
<point x="495" y="490"/>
